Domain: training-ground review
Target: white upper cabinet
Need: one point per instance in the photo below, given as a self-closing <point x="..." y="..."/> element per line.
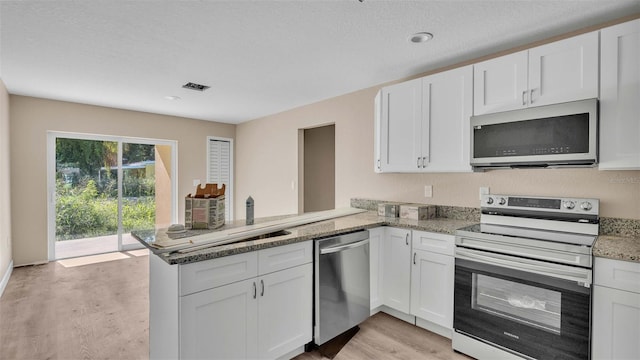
<point x="423" y="125"/>
<point x="400" y="126"/>
<point x="500" y="84"/>
<point x="447" y="109"/>
<point x="561" y="71"/>
<point x="620" y="97"/>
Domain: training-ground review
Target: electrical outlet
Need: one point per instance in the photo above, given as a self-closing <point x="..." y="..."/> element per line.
<point x="483" y="191"/>
<point x="428" y="191"/>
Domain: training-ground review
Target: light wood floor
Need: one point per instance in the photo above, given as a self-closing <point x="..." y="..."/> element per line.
<point x="384" y="337"/>
<point x="100" y="311"/>
<point x="97" y="311"/>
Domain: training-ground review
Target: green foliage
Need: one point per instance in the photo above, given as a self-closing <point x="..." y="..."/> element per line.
<point x="83" y="211"/>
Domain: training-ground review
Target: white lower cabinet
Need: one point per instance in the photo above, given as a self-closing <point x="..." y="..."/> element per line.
<point x="417" y="270"/>
<point x="432" y="288"/>
<point x="397" y="269"/>
<point x="376" y="268"/>
<point x="432" y="275"/>
<point x="220" y="323"/>
<point x="616" y="310"/>
<point x="285" y="311"/>
<point x="256" y="305"/>
<point x="264" y="317"/>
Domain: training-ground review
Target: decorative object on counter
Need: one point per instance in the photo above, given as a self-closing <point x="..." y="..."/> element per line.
<point x="209" y="191"/>
<point x="417" y="211"/>
<point x="389" y="209"/>
<point x="249" y="216"/>
<point x="176" y="229"/>
<point x="205" y="210"/>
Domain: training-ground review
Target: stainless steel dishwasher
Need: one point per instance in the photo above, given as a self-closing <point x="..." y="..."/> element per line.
<point x="341" y="284"/>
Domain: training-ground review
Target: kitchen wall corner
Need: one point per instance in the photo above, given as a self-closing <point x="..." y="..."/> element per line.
<point x="6" y="255"/>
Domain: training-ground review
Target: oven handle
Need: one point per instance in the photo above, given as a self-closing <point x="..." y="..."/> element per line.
<point x="581" y="276"/>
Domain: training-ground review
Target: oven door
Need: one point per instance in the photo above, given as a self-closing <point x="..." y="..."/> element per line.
<point x="531" y="308"/>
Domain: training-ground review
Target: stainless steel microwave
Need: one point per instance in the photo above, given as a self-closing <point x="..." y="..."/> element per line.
<point x="559" y="135"/>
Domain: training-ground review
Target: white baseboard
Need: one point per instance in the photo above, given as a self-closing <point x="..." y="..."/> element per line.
<point x="398" y="314"/>
<point x="5" y="278"/>
<point x="434" y="328"/>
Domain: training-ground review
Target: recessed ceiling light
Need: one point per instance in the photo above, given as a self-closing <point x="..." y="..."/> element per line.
<point x="172" y="97"/>
<point x="420" y="37"/>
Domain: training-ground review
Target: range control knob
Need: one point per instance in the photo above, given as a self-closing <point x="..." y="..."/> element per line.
<point x="502" y="201"/>
<point x="569" y="204"/>
<point x="489" y="200"/>
<point x="586" y="206"/>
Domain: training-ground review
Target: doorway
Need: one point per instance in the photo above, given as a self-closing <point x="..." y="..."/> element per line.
<point x="318" y="183"/>
<point x="102" y="187"/>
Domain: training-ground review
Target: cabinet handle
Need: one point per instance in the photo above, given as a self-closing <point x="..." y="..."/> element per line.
<point x="262" y="291"/>
<point x="418" y="162"/>
<point x="524" y="97"/>
<point x="531" y="96"/>
<point x="255" y="290"/>
<point x="378" y="164"/>
<point x="414" y="258"/>
<point x="407" y="239"/>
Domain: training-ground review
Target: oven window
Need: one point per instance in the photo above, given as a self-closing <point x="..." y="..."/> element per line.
<point x="529" y="305"/>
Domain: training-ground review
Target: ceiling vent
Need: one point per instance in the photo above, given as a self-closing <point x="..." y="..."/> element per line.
<point x="194" y="86"/>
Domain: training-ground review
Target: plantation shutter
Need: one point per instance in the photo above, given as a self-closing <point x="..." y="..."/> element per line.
<point x="220" y="170"/>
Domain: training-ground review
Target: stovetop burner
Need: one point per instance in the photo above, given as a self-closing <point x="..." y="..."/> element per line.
<point x="529" y="233"/>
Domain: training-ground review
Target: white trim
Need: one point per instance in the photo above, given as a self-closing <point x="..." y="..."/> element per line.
<point x="5" y="278"/>
<point x="51" y="170"/>
<point x="229" y="194"/>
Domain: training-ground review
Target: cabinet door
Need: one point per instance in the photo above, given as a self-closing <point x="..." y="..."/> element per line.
<point x="434" y="242"/>
<point x="616" y="324"/>
<point x="285" y="311"/>
<point x="432" y="287"/>
<point x="220" y="323"/>
<point x="500" y="84"/>
<point x="447" y="108"/>
<point x="376" y="238"/>
<point x="400" y="126"/>
<point x="564" y="70"/>
<point x="397" y="269"/>
<point x="377" y="151"/>
<point x="619" y="94"/>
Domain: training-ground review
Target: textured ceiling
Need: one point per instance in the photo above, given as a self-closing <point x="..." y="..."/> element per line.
<point x="259" y="57"/>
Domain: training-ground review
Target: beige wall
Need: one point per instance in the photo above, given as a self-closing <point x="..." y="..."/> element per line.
<point x="163" y="185"/>
<point x="276" y="155"/>
<point x="5" y="194"/>
<point x="30" y="120"/>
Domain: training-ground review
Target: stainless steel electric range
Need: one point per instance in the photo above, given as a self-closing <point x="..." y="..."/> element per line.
<point x="523" y="279"/>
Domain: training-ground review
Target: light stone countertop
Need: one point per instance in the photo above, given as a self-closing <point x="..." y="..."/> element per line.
<point x="625" y="248"/>
<point x="618" y="247"/>
<point x="341" y="225"/>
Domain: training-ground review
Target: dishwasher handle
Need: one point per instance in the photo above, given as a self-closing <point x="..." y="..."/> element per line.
<point x="342" y="247"/>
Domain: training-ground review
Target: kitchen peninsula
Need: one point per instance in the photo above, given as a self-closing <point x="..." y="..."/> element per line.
<point x="192" y="293"/>
<point x="230" y="300"/>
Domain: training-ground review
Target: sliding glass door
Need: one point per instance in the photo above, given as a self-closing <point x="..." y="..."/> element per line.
<point x="101" y="188"/>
